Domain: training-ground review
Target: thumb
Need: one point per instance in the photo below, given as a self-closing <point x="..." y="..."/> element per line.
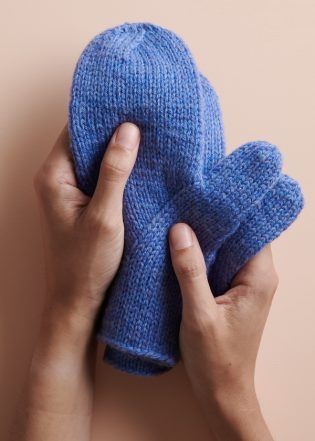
<point x="190" y="269"/>
<point x="116" y="166"/>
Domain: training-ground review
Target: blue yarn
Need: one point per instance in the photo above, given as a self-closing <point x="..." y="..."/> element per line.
<point x="236" y="204"/>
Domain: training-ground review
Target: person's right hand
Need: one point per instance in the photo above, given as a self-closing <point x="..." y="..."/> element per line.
<point x="220" y="337"/>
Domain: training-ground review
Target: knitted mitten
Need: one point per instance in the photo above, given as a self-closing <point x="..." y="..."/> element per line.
<point x="270" y="217"/>
<point x="144" y="74"/>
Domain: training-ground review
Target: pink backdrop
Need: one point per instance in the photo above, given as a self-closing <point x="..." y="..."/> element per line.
<point x="260" y="58"/>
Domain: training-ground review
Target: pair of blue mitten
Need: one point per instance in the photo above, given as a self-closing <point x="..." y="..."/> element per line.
<point x="236" y="204"/>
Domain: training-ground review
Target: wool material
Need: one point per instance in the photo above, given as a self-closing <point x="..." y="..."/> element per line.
<point x="236" y="204"/>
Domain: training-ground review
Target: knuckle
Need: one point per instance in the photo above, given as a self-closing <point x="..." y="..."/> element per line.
<point x="190" y="270"/>
<point x="248" y="290"/>
<point x="267" y="289"/>
<point x="200" y="326"/>
<point x="111" y="226"/>
<point x="104" y="223"/>
<point x="263" y="289"/>
<point x="43" y="181"/>
<point x="37" y="181"/>
<point x="273" y="282"/>
<point x="116" y="164"/>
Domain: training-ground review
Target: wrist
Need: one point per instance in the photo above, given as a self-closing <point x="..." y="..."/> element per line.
<point x="75" y="297"/>
<point x="77" y="307"/>
<point x="64" y="339"/>
<point x="63" y="362"/>
<point x="228" y="394"/>
<point x="235" y="399"/>
<point x="234" y="413"/>
<point x="68" y="319"/>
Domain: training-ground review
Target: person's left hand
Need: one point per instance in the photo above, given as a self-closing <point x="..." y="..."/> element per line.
<point x="84" y="237"/>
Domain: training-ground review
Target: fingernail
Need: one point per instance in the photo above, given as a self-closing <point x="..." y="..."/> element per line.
<point x="128" y="135"/>
<point x="181" y="237"/>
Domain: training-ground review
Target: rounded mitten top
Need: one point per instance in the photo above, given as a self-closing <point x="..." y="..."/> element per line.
<point x="145" y="74"/>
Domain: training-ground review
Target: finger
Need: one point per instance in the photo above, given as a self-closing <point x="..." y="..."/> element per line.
<point x="117" y="164"/>
<point x="190" y="269"/>
<point x="56" y="175"/>
<point x="61" y="146"/>
<point x="258" y="276"/>
<point x="59" y="162"/>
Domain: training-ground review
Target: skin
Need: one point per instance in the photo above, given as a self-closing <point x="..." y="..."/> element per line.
<point x="83" y="242"/>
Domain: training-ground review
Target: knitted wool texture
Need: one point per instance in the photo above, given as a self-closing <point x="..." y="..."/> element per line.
<point x="236" y="204"/>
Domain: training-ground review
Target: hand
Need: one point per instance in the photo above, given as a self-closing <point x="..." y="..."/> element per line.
<point x="84" y="237"/>
<point x="83" y="240"/>
<point x="220" y="337"/>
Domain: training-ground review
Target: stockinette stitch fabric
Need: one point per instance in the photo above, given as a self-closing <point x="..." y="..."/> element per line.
<point x="146" y="75"/>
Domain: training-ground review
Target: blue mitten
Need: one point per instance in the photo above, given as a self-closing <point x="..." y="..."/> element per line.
<point x="274" y="213"/>
<point x="145" y="74"/>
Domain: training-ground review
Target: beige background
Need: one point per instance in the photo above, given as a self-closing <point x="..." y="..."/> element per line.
<point x="259" y="55"/>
